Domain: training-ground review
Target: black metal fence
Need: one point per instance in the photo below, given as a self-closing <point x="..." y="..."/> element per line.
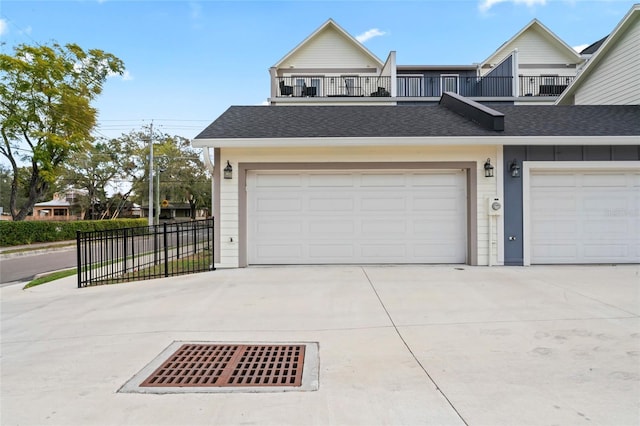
<point x="421" y="86"/>
<point x="146" y="252"/>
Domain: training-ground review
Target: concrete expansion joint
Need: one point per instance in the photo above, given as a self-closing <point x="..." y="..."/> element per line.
<point x="413" y="355"/>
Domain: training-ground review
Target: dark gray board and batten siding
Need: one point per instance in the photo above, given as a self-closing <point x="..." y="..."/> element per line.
<point x="513" y="221"/>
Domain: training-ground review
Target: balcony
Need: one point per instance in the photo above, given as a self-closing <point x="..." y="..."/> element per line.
<point x="420" y="86"/>
<point x="330" y="87"/>
<point x="543" y="85"/>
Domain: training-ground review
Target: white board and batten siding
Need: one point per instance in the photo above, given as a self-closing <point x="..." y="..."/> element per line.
<point x="347" y="217"/>
<point x="584" y="216"/>
<point x="534" y="48"/>
<point x="616" y="79"/>
<point x="329" y="49"/>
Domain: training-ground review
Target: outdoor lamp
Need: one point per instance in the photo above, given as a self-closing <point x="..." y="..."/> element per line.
<point x="514" y="168"/>
<point x="488" y="168"/>
<point x="228" y="171"/>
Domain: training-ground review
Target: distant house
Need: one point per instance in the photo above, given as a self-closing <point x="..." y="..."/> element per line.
<point x="57" y="209"/>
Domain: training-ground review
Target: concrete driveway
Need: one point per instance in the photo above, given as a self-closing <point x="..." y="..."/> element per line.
<point x="398" y="345"/>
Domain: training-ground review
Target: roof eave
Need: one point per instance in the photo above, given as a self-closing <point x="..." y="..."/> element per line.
<point x="489" y="140"/>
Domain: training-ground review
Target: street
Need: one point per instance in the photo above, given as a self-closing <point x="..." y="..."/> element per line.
<point x="24" y="268"/>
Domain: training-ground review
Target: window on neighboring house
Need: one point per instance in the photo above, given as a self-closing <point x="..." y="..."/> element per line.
<point x="59" y="212"/>
<point x="409" y="85"/>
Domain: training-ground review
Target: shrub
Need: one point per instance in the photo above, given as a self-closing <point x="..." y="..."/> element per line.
<point x="29" y="232"/>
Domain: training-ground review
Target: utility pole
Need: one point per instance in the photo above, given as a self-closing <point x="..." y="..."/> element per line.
<point x="151" y="174"/>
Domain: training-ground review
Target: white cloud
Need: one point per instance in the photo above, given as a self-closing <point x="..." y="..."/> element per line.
<point x="4" y="28"/>
<point x="126" y="76"/>
<point x="485" y="5"/>
<point x="367" y="35"/>
<point x="580" y="48"/>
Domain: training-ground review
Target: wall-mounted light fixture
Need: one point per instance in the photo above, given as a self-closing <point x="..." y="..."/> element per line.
<point x="514" y="168"/>
<point x="228" y="171"/>
<point x="488" y="168"/>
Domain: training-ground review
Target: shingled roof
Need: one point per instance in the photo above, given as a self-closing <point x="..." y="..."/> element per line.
<point x="257" y="122"/>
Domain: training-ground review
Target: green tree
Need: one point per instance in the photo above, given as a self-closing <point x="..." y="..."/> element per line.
<point x="94" y="169"/>
<point x="46" y="112"/>
<point x="183" y="178"/>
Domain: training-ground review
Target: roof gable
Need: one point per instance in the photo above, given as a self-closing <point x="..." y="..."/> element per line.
<point x="631" y="21"/>
<point x="534" y="33"/>
<point x="329" y="36"/>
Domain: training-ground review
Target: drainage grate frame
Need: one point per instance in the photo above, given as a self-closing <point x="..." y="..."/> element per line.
<point x="229" y="367"/>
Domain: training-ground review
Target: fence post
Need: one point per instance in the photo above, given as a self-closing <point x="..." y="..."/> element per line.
<point x="166" y="251"/>
<point x="79" y="260"/>
<point x="155" y="245"/>
<point x="124" y="237"/>
<point x="178" y="235"/>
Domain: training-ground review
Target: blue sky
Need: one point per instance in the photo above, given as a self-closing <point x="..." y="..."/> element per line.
<point x="188" y="61"/>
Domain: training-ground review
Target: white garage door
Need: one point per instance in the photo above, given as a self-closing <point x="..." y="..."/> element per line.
<point x="356" y="217"/>
<point x="585" y="217"/>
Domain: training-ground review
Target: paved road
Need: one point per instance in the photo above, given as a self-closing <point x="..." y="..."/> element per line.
<point x="24" y="268"/>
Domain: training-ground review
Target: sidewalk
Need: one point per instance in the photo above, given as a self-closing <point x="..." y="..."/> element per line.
<point x="398" y="345"/>
<point x="7" y="252"/>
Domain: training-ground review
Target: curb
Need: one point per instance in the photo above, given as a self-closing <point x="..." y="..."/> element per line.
<point x="33" y="252"/>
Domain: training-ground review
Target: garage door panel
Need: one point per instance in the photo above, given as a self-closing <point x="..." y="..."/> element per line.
<point x="278" y="204"/>
<point x="388" y="228"/>
<point x="279" y="252"/>
<point x="325" y="180"/>
<point x="591" y="221"/>
<point x="436" y="180"/>
<point x="330" y="252"/>
<point x="377" y="203"/>
<point x="357" y="217"/>
<point x="382" y="251"/>
<point x="608" y="180"/>
<point x="598" y="252"/>
<point x="554" y="181"/>
<point x="328" y="203"/>
<point x="444" y="203"/>
<point x="438" y="253"/>
<point x="274" y="180"/>
<point x="386" y="180"/>
<point x="425" y="228"/>
<point x="605" y="230"/>
<point x="330" y="228"/>
<point x="279" y="228"/>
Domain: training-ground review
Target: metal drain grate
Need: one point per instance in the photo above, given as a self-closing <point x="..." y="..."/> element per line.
<point x="216" y="365"/>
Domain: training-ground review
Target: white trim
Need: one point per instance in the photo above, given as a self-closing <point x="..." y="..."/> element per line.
<point x="332" y="23"/>
<point x="550" y="33"/>
<point x="443" y="76"/>
<point x="596" y="58"/>
<point x="413" y="141"/>
<point x="528" y="166"/>
<point x="498" y="173"/>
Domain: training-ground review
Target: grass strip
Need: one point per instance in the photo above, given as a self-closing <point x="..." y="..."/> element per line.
<point x="50" y="277"/>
